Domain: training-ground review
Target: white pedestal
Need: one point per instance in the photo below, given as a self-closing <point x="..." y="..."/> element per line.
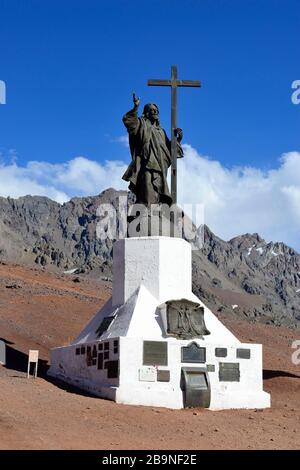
<point x="161" y="264"/>
<point x="149" y="271"/>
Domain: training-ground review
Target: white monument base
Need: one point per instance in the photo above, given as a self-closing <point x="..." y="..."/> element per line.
<point x="127" y="354"/>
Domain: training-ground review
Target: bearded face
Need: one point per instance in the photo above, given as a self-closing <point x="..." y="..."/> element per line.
<point x="152" y="113"/>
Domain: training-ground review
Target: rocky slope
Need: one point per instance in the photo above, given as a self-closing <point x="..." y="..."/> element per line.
<point x="245" y="276"/>
<point x="250" y="277"/>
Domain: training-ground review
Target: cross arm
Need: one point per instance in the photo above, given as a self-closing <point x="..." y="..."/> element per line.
<point x="174" y="83"/>
<point x="191" y="83"/>
<point x="155" y="82"/>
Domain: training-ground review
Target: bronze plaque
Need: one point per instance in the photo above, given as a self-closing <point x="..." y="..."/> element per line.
<point x="243" y="353"/>
<point x="163" y="376"/>
<point x="196" y="387"/>
<point x="155" y="353"/>
<point x="193" y="353"/>
<point x="112" y="369"/>
<point x="221" y="352"/>
<point x="100" y="361"/>
<point x="185" y="319"/>
<point x="88" y="359"/>
<point x="229" y="372"/>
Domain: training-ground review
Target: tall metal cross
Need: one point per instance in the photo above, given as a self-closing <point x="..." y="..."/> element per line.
<point x="174" y="83"/>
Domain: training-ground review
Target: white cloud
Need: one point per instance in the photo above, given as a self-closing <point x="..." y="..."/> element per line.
<point x="237" y="200"/>
<point x="81" y="176"/>
<point x="60" y="182"/>
<point x="244" y="199"/>
<point x="17" y="181"/>
<point x="122" y="139"/>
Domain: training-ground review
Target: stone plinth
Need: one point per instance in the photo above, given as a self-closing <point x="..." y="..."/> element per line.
<point x="126" y="353"/>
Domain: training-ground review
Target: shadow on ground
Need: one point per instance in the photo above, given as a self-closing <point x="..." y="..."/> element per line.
<point x="271" y="374"/>
<point x="17" y="360"/>
<point x="69" y="388"/>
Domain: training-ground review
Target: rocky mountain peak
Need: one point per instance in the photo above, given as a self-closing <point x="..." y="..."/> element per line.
<point x="260" y="279"/>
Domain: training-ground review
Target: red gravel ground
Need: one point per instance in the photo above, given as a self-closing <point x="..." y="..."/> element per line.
<point x="40" y="310"/>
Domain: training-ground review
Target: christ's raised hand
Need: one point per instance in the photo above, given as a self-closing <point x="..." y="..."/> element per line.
<point x="136" y="100"/>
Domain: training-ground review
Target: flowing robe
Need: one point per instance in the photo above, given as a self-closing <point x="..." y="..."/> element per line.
<point x="151" y="157"/>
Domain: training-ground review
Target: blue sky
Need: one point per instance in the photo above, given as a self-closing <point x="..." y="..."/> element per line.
<point x="70" y="68"/>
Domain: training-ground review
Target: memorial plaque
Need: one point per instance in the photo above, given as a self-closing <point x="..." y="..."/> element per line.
<point x="196" y="387"/>
<point x="112" y="369"/>
<point x="193" y="353"/>
<point x="147" y="374"/>
<point x="100" y="361"/>
<point x="2" y="353"/>
<point x="163" y="376"/>
<point x="185" y="319"/>
<point x="229" y="372"/>
<point x="210" y="368"/>
<point x="104" y="325"/>
<point x="155" y="353"/>
<point x="243" y="353"/>
<point x="88" y="356"/>
<point x="221" y="352"/>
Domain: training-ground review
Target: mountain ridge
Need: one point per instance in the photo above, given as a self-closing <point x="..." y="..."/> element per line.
<point x="245" y="276"/>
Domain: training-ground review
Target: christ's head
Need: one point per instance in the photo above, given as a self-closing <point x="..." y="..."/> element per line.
<point x="151" y="112"/>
